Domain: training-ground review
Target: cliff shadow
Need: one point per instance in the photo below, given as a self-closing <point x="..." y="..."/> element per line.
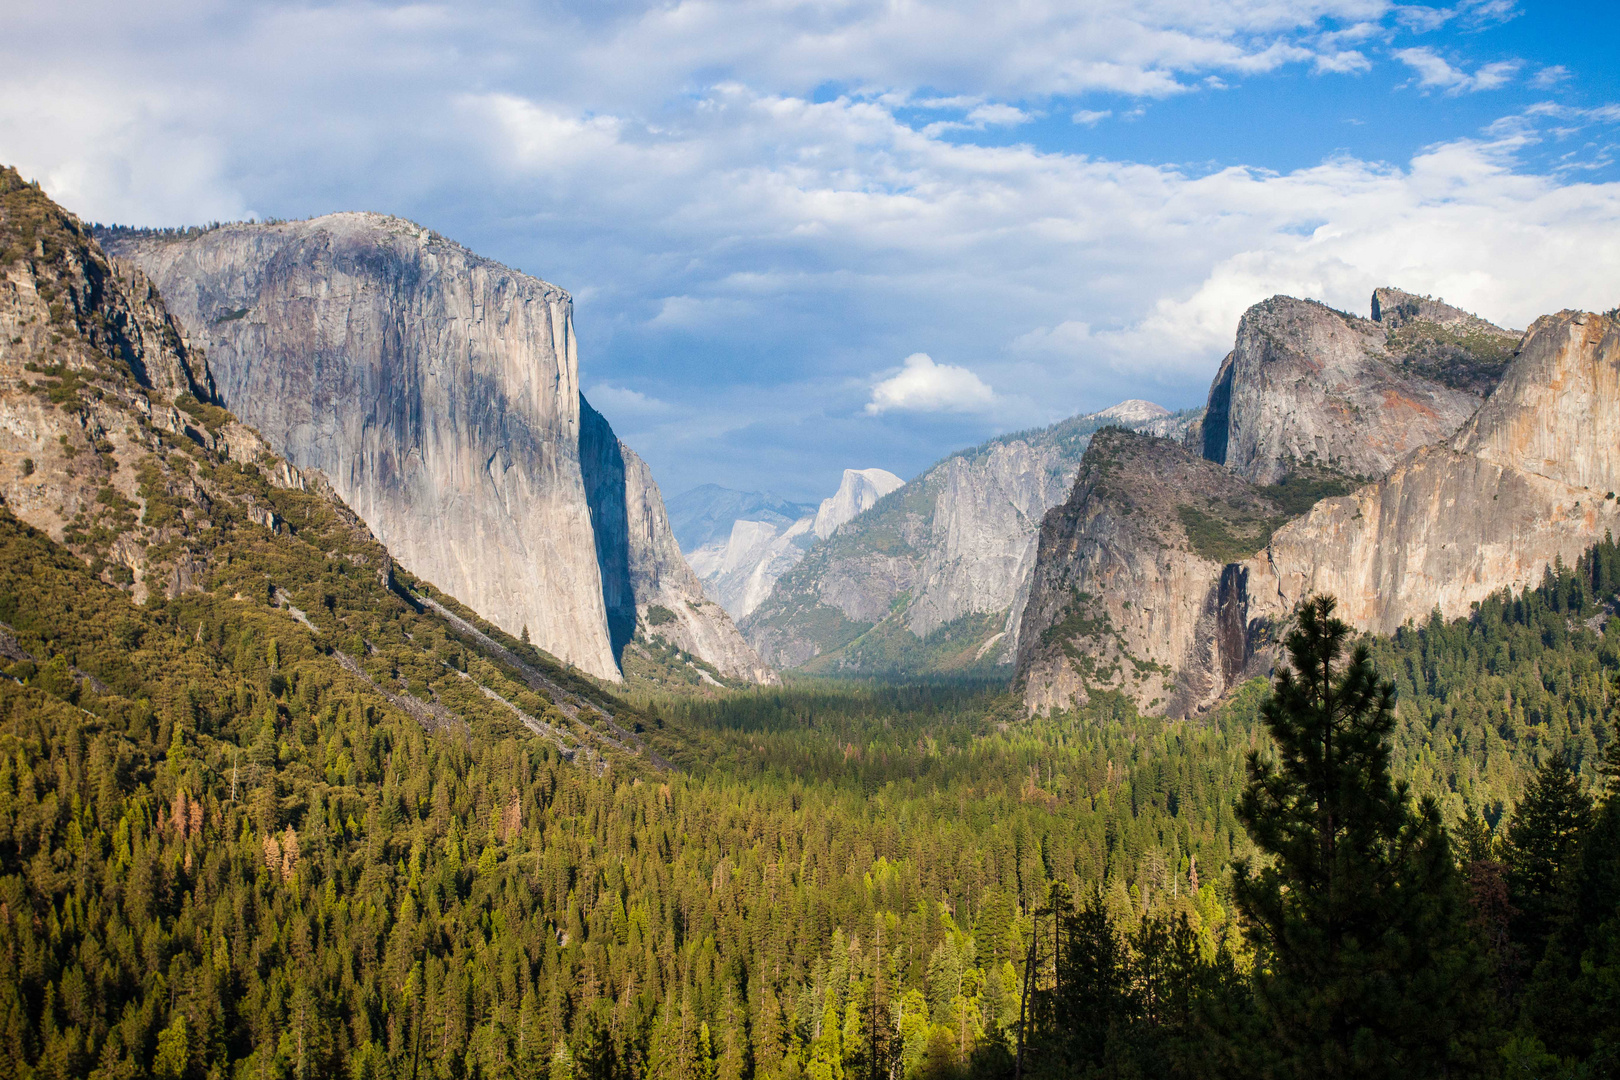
<point x="601" y="463"/>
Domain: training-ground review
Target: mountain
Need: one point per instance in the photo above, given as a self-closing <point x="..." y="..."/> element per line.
<point x="168" y="574"/>
<point x="439" y="393"/>
<point x="1308" y="386"/>
<point x="934" y="575"/>
<point x="1132" y="589"/>
<point x="1168" y="582"/>
<point x="1529" y="481"/>
<point x="705" y="514"/>
<point x="739" y="568"/>
<point x="858" y="492"/>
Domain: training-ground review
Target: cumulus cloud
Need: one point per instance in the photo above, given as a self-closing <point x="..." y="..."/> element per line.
<point x="1435" y="72"/>
<point x="1090" y="117"/>
<point x="924" y="386"/>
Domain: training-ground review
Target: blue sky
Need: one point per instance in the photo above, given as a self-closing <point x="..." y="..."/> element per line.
<point x="804" y="235"/>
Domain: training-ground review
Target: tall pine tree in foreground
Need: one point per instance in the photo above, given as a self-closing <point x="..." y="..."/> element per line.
<point x="1364" y="964"/>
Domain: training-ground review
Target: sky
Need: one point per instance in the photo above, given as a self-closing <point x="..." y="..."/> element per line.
<point x="809" y="235"/>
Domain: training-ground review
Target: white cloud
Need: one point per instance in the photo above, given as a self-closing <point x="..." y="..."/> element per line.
<point x="1435" y="72"/>
<point x="924" y="386"/>
<point x="1550" y="76"/>
<point x="621" y="402"/>
<point x="1343" y="63"/>
<point x="994" y="115"/>
<point x="746" y="248"/>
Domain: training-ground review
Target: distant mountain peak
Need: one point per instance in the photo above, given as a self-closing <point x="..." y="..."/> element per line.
<point x="1133" y="411"/>
<point x="860" y="489"/>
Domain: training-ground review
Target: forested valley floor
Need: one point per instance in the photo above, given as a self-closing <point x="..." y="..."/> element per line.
<point x="225" y="851"/>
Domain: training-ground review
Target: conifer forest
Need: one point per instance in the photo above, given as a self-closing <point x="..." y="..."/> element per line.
<point x="227" y="851"/>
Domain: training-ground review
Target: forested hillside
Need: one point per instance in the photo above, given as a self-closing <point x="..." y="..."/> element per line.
<point x="222" y="853"/>
<point x="270" y="806"/>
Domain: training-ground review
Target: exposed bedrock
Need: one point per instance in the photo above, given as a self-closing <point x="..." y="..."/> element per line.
<point x="439" y="391"/>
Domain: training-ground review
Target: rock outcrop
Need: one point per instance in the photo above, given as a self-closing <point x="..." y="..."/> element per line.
<point x="648" y="588"/>
<point x="704" y="515"/>
<point x="934" y="576"/>
<point x="1528" y="480"/>
<point x="1131" y="593"/>
<point x="739" y="569"/>
<point x="857" y="493"/>
<point x="110" y="437"/>
<point x="439" y="392"/>
<point x="1308" y="386"/>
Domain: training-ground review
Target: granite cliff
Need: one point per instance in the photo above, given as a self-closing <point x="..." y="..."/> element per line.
<point x="1530" y="479"/>
<point x="439" y="393"/>
<point x="706" y="513"/>
<point x="1524" y="480"/>
<point x="933" y="577"/>
<point x="1130" y="592"/>
<point x="1306" y="386"/>
<point x="739" y="569"/>
<point x="113" y="449"/>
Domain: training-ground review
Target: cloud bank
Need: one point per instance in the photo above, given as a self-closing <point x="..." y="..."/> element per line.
<point x="756" y="205"/>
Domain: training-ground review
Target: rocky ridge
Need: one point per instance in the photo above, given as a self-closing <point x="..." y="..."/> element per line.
<point x="1530" y="479"/>
<point x="1306" y="386"/>
<point x="439" y="393"/>
<point x="1130" y="592"/>
<point x="1525" y="480"/>
<point x="114" y="456"/>
<point x="933" y="577"/>
<point x="706" y="513"/>
<point x="739" y="570"/>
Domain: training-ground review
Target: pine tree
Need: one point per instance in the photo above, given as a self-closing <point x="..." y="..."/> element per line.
<point x="1540" y="850"/>
<point x="1363" y="963"/>
<point x="1573" y="1001"/>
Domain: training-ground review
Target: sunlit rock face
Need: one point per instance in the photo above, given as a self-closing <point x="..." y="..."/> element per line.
<point x="1529" y="479"/>
<point x="1306" y="385"/>
<point x="1168" y="582"/>
<point x="857" y="493"/>
<point x="933" y="576"/>
<point x="1128" y="594"/>
<point x="439" y="391"/>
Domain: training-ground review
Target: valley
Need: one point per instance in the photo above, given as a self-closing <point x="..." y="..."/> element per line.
<point x="366" y="709"/>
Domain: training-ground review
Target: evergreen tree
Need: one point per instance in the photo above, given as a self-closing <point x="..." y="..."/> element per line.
<point x="1364" y="967"/>
<point x="1540" y="851"/>
<point x="1572" y="1004"/>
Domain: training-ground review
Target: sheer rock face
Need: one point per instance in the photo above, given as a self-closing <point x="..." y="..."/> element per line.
<point x="1307" y="385"/>
<point x="940" y="568"/>
<point x="1529" y="479"/>
<point x="1121" y="599"/>
<point x="740" y="571"/>
<point x="438" y="391"/>
<point x="857" y="492"/>
<point x="642" y="566"/>
<point x="983" y="535"/>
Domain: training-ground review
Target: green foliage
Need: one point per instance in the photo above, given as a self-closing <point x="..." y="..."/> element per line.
<point x="1470" y="359"/>
<point x="1218" y="540"/>
<point x="210" y="416"/>
<point x="658" y="615"/>
<point x="1365" y="966"/>
<point x="1226" y="534"/>
<point x="1484" y="700"/>
<point x="960" y="648"/>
